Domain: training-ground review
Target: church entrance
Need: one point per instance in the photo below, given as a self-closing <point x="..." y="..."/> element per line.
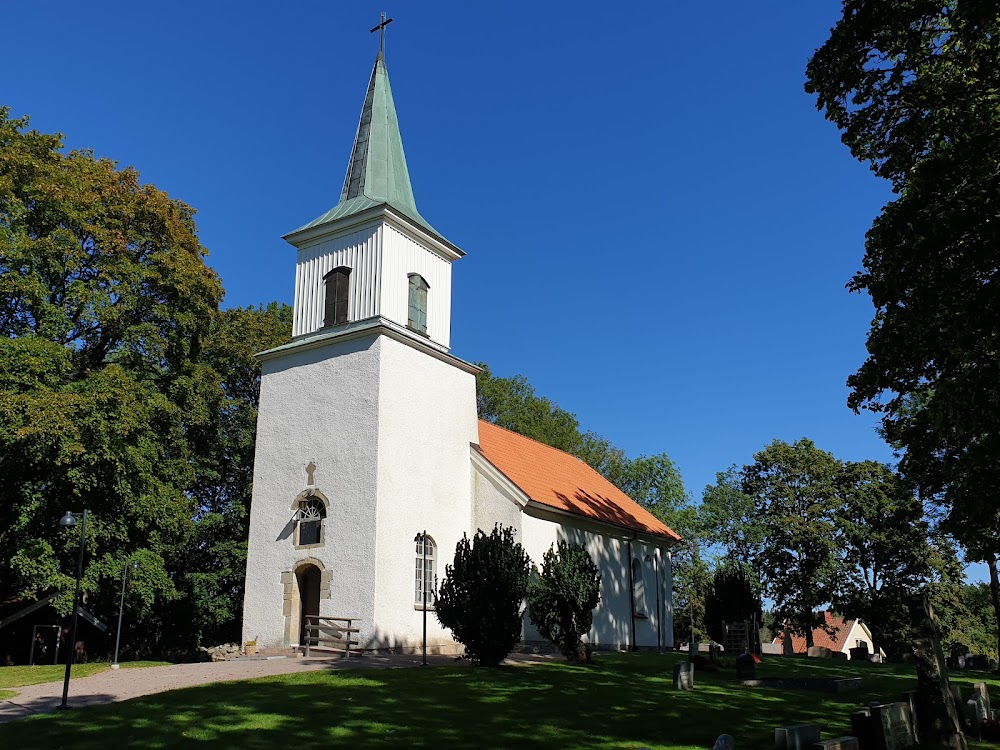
<point x="309" y="580"/>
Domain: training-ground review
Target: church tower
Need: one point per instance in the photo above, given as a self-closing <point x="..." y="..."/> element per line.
<point x="366" y="419"/>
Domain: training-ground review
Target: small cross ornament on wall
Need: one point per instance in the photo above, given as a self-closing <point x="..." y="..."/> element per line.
<point x="311" y="474"/>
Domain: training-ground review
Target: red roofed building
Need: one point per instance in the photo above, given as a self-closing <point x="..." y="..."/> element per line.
<point x="844" y="635"/>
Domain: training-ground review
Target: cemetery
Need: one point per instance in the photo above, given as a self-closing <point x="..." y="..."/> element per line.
<point x="546" y="704"/>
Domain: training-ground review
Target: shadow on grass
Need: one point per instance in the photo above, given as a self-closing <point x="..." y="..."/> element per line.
<point x="625" y="701"/>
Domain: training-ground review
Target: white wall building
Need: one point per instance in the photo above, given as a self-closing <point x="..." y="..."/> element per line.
<point x="367" y="435"/>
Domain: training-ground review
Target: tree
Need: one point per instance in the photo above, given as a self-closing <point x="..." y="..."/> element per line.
<point x="913" y="86"/>
<point x="481" y="599"/>
<point x="793" y="486"/>
<point x="561" y="599"/>
<point x="734" y="597"/>
<point x="885" y="552"/>
<point x="105" y="303"/>
<point x="730" y="518"/>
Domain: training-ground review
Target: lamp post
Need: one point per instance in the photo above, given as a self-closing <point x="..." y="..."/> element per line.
<point x="421" y="539"/>
<point x="68" y="521"/>
<point x="121" y="610"/>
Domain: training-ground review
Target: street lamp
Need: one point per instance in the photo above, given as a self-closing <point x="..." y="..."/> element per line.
<point x="121" y="610"/>
<point x="421" y="539"/>
<point x="68" y="521"/>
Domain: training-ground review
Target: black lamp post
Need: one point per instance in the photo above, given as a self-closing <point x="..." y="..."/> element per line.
<point x="67" y="521"/>
<point x="121" y="610"/>
<point x="421" y="539"/>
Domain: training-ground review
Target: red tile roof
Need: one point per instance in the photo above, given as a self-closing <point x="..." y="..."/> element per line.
<point x="835" y="642"/>
<point x="556" y="479"/>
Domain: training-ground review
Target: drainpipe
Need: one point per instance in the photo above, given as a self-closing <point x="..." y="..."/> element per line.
<point x="631" y="588"/>
<point x="659" y="614"/>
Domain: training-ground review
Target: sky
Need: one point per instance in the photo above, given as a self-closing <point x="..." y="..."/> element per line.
<point x="659" y="224"/>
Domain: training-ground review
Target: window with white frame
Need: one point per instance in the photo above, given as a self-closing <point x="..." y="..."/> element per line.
<point x="425" y="570"/>
<point x="310" y="517"/>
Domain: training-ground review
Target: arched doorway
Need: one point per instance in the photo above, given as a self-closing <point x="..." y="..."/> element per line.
<point x="309" y="581"/>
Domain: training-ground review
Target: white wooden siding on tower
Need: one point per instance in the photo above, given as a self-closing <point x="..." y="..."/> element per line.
<point x="402" y="256"/>
<point x="359" y="251"/>
<point x="381" y="258"/>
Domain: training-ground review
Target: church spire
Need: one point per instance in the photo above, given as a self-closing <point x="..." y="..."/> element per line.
<point x="377" y="168"/>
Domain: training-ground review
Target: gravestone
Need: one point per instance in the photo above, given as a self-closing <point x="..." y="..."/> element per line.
<point x="892" y="727"/>
<point x="746" y="667"/>
<point x="975" y="714"/>
<point x="910" y="699"/>
<point x="797" y="737"/>
<point x="683" y="675"/>
<point x="725" y="742"/>
<point x="787" y="649"/>
<point x="861" y="727"/>
<point x="818" y="651"/>
<point x="860" y="652"/>
<point x="980" y="687"/>
<point x="714" y="650"/>
<point x="839" y="743"/>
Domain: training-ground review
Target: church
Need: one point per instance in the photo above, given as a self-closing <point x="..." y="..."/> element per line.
<point x="371" y="463"/>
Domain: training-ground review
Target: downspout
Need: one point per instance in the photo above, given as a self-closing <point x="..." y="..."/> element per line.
<point x="659" y="614"/>
<point x="631" y="588"/>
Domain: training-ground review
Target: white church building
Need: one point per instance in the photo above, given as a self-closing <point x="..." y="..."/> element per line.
<point x="367" y="436"/>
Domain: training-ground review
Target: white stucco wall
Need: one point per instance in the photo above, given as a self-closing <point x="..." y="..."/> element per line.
<point x="427" y="420"/>
<point x="612" y="627"/>
<point x="318" y="405"/>
<point x="491" y="505"/>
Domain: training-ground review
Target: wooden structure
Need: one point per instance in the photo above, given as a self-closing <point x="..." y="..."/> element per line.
<point x="329" y="634"/>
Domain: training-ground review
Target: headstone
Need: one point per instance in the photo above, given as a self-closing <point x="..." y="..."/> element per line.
<point x="683" y="675"/>
<point x="975" y="714"/>
<point x="798" y="737"/>
<point x="746" y="667"/>
<point x="980" y="687"/>
<point x="787" y="649"/>
<point x="714" y="650"/>
<point x="735" y="636"/>
<point x="840" y="743"/>
<point x="910" y="699"/>
<point x="818" y="651"/>
<point x="860" y="652"/>
<point x="892" y="728"/>
<point x="861" y="727"/>
<point x="725" y="742"/>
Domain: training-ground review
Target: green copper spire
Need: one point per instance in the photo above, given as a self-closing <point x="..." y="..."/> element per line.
<point x="376" y="172"/>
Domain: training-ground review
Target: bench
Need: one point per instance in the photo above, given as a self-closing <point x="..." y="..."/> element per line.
<point x="329" y="634"/>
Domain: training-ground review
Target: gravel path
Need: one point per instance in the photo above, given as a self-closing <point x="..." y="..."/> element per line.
<point x="123" y="684"/>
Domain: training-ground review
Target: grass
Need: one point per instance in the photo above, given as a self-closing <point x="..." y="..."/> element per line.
<point x="12" y="677"/>
<point x="624" y="701"/>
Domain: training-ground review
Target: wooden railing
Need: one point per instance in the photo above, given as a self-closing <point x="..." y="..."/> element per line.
<point x="330" y="634"/>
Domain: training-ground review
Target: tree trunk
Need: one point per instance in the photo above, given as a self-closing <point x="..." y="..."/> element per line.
<point x="938" y="726"/>
<point x="991" y="562"/>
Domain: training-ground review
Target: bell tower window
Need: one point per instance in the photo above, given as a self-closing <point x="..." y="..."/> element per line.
<point x="417" y="318"/>
<point x="309" y="520"/>
<point x="338" y="287"/>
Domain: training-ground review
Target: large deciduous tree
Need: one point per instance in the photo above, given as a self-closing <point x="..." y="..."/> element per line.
<point x="913" y="85"/>
<point x="793" y="487"/>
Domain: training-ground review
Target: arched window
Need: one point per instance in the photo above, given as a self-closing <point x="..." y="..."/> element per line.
<point x="309" y="522"/>
<point x="638" y="589"/>
<point x="338" y="287"/>
<point x="417" y="318"/>
<point x="426" y="570"/>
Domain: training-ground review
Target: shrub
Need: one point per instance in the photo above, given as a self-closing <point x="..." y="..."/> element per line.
<point x="562" y="598"/>
<point x="481" y="597"/>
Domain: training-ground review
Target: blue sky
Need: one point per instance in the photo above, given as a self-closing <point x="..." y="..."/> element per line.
<point x="659" y="224"/>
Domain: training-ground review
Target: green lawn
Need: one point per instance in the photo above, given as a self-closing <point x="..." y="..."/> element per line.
<point x="624" y="701"/>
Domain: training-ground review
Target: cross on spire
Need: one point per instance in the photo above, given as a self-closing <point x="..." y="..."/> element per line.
<point x="381" y="34"/>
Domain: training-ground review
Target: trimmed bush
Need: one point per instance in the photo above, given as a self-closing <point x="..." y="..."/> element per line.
<point x="481" y="597"/>
<point x="561" y="599"/>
